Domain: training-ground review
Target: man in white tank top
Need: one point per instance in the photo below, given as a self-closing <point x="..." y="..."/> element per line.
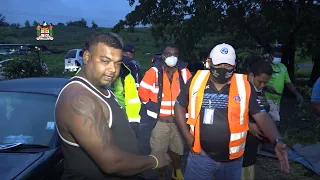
<point x="84" y="117"/>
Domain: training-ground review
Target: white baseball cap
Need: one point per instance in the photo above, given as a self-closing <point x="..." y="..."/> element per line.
<point x="223" y="53"/>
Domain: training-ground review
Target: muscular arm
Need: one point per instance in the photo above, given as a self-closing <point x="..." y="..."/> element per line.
<point x="88" y="123"/>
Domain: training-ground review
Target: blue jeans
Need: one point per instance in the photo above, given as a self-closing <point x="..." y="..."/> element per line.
<point x="202" y="167"/>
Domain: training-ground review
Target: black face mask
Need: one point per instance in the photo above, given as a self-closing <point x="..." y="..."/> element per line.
<point x="221" y="75"/>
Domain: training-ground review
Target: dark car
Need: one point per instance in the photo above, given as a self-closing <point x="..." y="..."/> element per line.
<point x="156" y="57"/>
<point x="29" y="142"/>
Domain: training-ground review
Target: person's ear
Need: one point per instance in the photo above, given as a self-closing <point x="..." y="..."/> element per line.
<point x="86" y="57"/>
<point x="207" y="65"/>
<point x="250" y="75"/>
<point x="209" y="60"/>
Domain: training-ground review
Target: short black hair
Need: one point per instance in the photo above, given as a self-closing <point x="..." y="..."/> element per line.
<point x="261" y="66"/>
<point x="169" y="45"/>
<point x="276" y="49"/>
<point x="108" y="38"/>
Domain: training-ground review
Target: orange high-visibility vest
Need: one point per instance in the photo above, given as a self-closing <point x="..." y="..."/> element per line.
<point x="149" y="88"/>
<point x="238" y="111"/>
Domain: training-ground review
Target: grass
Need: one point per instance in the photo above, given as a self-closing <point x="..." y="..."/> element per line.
<point x="269" y="169"/>
<point x="298" y="125"/>
<point x="66" y="38"/>
<point x="303" y="73"/>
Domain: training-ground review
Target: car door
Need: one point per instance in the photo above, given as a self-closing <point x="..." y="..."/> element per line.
<point x="68" y="59"/>
<point x="80" y="57"/>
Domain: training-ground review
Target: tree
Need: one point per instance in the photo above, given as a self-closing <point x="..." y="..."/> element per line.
<point x="15" y="25"/>
<point x="60" y="24"/>
<point x="27" y="23"/>
<point x="246" y="22"/>
<point x="35" y="24"/>
<point x="81" y="23"/>
<point x="311" y="40"/>
<point x="3" y="22"/>
<point x="94" y="25"/>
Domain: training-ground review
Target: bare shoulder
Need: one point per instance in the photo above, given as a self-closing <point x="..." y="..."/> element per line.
<point x="83" y="111"/>
<point x="78" y="102"/>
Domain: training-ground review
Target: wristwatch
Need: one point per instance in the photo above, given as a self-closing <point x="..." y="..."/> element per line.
<point x="277" y="140"/>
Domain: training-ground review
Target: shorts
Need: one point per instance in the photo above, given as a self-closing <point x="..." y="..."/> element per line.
<point x="274" y="110"/>
<point x="166" y="136"/>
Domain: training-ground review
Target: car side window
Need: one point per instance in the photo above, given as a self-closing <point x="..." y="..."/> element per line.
<point x="81" y="53"/>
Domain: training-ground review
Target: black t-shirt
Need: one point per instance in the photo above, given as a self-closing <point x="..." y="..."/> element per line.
<point x="252" y="142"/>
<point x="214" y="138"/>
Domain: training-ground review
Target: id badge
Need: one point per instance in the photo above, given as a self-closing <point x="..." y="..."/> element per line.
<point x="208" y="116"/>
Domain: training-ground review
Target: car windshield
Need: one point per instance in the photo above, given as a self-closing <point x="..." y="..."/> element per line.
<point x="26" y="118"/>
<point x="71" y="54"/>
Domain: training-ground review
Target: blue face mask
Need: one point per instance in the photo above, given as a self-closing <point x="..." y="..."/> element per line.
<point x="276" y="60"/>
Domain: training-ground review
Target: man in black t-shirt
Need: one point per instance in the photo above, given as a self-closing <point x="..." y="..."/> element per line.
<point x="220" y="153"/>
<point x="259" y="75"/>
<point x="217" y="147"/>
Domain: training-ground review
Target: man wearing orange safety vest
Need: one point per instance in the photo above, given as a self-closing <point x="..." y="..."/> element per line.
<point x="218" y="102"/>
<point x="158" y="91"/>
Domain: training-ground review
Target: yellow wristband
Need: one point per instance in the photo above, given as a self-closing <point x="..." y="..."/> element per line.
<point x="157" y="162"/>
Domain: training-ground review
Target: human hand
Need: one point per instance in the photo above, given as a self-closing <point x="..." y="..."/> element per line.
<point x="255" y="131"/>
<point x="161" y="159"/>
<point x="189" y="141"/>
<point x="282" y="154"/>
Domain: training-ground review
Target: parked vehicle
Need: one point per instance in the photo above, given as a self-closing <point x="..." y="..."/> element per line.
<point x="73" y="60"/>
<point x="29" y="143"/>
<point x="6" y="51"/>
<point x="156" y="57"/>
<point x="23" y="51"/>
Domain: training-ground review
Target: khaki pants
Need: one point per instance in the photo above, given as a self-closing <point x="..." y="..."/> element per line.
<point x="248" y="173"/>
<point x="166" y="136"/>
<point x="274" y="110"/>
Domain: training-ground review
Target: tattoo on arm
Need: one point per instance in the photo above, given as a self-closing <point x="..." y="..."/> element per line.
<point x="92" y="113"/>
